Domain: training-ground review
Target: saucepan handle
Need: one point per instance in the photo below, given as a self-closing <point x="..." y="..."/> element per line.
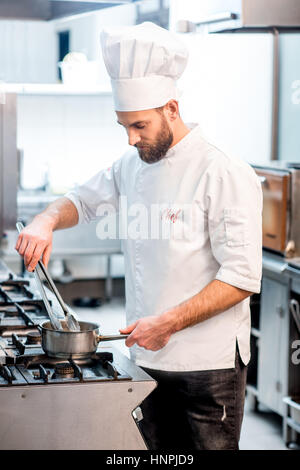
<point x="110" y="337"/>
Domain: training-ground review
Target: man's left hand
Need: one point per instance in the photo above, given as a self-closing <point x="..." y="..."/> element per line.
<point x="151" y="333"/>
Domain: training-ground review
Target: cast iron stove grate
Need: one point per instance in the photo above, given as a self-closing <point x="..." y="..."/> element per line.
<point x="41" y="369"/>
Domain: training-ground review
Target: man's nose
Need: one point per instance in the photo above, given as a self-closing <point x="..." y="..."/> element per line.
<point x="133" y="137"/>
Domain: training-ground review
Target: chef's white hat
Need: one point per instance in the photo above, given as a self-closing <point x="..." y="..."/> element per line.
<point x="144" y="62"/>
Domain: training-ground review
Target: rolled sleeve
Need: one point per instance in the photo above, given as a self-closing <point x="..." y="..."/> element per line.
<point x="73" y="197"/>
<point x="234" y="207"/>
<point x="103" y="188"/>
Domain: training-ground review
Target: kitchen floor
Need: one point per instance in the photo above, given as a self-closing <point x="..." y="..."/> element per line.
<point x="261" y="430"/>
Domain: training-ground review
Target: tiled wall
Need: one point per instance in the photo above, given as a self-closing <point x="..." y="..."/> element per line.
<point x="27" y="52"/>
<point x="69" y="136"/>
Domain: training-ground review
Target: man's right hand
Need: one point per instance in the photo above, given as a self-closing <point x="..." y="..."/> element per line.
<point x="35" y="241"/>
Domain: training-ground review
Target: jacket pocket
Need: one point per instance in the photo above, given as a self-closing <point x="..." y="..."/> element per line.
<point x="236" y="227"/>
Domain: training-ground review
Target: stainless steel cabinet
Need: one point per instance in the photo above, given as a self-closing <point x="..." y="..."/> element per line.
<point x="273" y="361"/>
<point x="273" y="373"/>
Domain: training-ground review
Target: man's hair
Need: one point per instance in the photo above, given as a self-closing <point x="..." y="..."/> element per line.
<point x="160" y="109"/>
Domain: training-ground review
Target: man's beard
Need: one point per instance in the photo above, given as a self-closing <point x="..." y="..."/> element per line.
<point x="154" y="153"/>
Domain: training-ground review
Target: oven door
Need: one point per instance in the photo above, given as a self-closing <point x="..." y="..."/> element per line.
<point x="276" y="206"/>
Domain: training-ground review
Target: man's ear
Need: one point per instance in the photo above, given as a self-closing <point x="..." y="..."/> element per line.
<point x="171" y="109"/>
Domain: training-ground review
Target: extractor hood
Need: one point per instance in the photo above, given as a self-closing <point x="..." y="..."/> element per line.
<point x="46" y="10"/>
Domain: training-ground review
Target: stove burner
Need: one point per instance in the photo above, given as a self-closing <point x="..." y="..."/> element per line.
<point x="34" y="337"/>
<point x="64" y="369"/>
<point x="84" y="361"/>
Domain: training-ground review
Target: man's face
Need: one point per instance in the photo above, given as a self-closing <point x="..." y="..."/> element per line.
<point x="148" y="131"/>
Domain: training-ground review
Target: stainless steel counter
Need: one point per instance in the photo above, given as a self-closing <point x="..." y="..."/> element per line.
<point x="285" y="270"/>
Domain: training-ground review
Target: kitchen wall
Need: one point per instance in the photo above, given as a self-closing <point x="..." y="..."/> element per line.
<point x="27" y="52"/>
<point x="289" y="97"/>
<point x="67" y="138"/>
<point x="227" y="89"/>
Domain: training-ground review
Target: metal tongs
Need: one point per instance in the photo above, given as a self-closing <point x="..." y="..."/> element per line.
<point x="71" y="321"/>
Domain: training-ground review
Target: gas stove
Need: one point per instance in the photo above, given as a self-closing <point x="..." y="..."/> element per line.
<point x="20" y="305"/>
<point x="57" y="404"/>
<point x="20" y="343"/>
<point x="19" y="346"/>
<point x="22" y="357"/>
<point x="45" y="370"/>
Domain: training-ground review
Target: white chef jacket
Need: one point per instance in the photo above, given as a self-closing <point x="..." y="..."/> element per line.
<point x="161" y="273"/>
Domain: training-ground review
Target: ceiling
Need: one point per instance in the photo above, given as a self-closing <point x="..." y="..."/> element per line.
<point x="46" y="10"/>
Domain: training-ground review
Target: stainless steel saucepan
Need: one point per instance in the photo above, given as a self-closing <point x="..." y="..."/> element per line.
<point x="73" y="344"/>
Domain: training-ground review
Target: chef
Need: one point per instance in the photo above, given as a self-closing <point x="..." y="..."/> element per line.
<point x="187" y="297"/>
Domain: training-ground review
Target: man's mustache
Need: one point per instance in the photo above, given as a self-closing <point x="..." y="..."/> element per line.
<point x="141" y="146"/>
